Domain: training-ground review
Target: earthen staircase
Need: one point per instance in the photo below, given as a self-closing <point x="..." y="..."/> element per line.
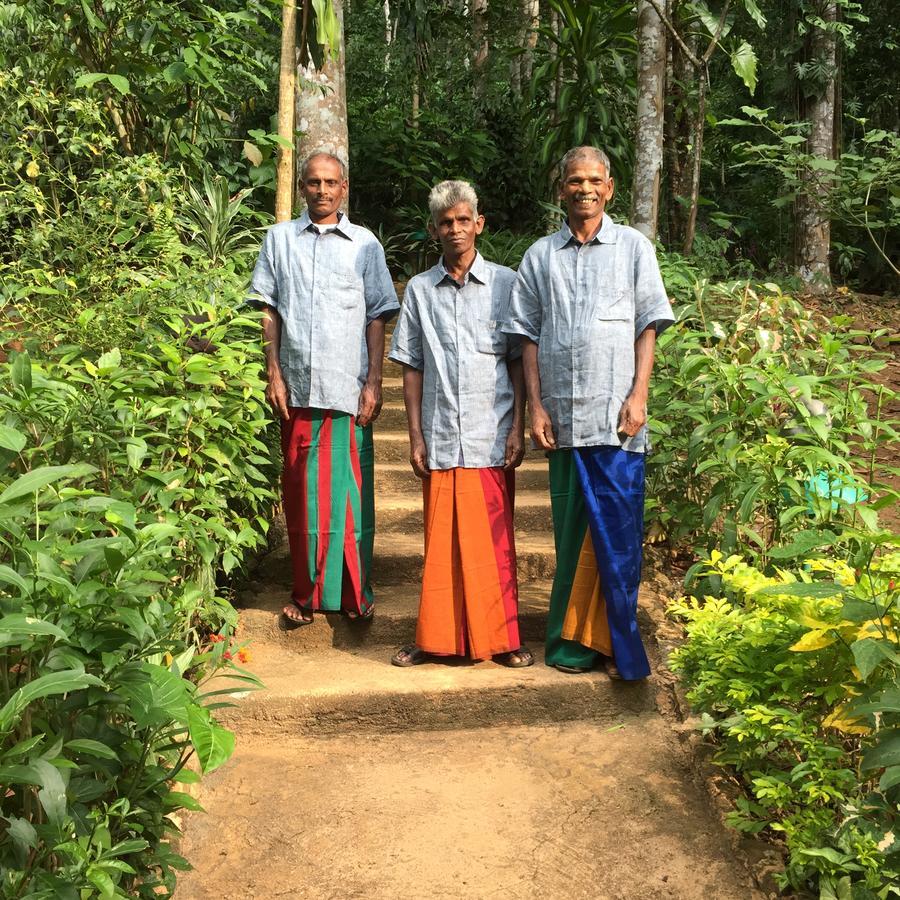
<point x="354" y="778"/>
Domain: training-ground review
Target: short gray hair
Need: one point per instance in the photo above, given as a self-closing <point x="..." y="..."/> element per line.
<point x="447" y="194"/>
<point x="595" y="154"/>
<point x="323" y="151"/>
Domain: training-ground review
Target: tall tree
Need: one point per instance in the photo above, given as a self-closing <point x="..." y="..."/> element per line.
<point x="651" y="77"/>
<point x="322" y="94"/>
<point x="813" y="224"/>
<point x="284" y="173"/>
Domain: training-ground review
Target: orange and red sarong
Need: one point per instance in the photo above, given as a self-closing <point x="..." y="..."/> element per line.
<point x="470" y="599"/>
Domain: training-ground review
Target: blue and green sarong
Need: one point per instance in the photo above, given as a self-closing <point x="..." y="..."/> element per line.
<point x="597" y="499"/>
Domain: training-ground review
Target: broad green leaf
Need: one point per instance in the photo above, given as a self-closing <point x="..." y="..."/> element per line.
<point x="120" y="83"/>
<point x="10" y="576"/>
<point x="890" y="778"/>
<point x="213" y="743"/>
<point x="867" y="654"/>
<point x="44" y="686"/>
<point x="169" y="691"/>
<point x="180" y="800"/>
<point x="886" y="752"/>
<point x="755" y="13"/>
<point x="802" y="589"/>
<point x="12" y="438"/>
<point x="30" y="482"/>
<point x="21" y="372"/>
<point x="22" y="832"/>
<point x="89" y="78"/>
<point x="91" y="748"/>
<point x="20" y="624"/>
<point x="802" y="543"/>
<point x="110" y="360"/>
<point x="101" y="880"/>
<point x="136" y="451"/>
<point x="53" y="791"/>
<point x="743" y="61"/>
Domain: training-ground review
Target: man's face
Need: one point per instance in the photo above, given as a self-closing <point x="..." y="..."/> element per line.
<point x="456" y="228"/>
<point x="585" y="190"/>
<point x="323" y="188"/>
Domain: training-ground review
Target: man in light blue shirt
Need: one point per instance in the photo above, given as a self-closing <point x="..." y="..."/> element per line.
<point x="588" y="303"/>
<point x="465" y="397"/>
<point x="326" y="292"/>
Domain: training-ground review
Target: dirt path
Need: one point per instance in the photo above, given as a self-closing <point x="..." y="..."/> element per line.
<point x="353" y="778"/>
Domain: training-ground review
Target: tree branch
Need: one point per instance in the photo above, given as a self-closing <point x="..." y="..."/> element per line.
<point x="715" y="38"/>
<point x="674" y="32"/>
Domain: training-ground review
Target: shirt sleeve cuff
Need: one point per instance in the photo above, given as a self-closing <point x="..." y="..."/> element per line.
<point x="399" y="355"/>
<point x="660" y="318"/>
<point x="386" y="310"/>
<point x="521" y="329"/>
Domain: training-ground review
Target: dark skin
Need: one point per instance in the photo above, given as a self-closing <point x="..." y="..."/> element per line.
<point x="324" y="189"/>
<point x="456" y="229"/>
<point x="585" y="190"/>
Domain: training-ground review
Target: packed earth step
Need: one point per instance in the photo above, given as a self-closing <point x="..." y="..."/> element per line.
<point x="575" y="810"/>
<point x="330" y="689"/>
<point x="398" y="558"/>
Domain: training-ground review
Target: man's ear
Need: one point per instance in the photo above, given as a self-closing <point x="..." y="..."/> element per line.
<point x="432" y="229"/>
<point x="479" y="225"/>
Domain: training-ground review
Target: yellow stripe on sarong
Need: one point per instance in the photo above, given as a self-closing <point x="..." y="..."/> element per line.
<point x="585" y="620"/>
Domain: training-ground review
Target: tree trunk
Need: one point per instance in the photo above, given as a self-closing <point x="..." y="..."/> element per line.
<point x="523" y="65"/>
<point x="284" y="174"/>
<point x="649" y="126"/>
<point x="687" y="246"/>
<point x="480" y="44"/>
<point x="813" y="223"/>
<point x="322" y="100"/>
<point x="679" y="125"/>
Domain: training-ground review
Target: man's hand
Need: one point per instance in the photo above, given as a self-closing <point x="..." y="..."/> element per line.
<point x="277" y="394"/>
<point x="633" y="415"/>
<point x="542" y="428"/>
<point x="369" y="404"/>
<point x="515" y="449"/>
<point x="418" y="457"/>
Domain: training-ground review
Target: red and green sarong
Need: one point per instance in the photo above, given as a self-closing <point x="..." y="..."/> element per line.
<point x="329" y="505"/>
<point x="470" y="598"/>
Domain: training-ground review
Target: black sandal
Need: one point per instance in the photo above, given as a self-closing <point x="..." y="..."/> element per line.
<point x="516" y="659"/>
<point x="572" y="670"/>
<point x="410" y="655"/>
<point x="289" y="623"/>
<point x="353" y="615"/>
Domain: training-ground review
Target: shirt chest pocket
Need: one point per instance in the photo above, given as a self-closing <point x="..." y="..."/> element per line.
<point x="614" y="303"/>
<point x="489" y="338"/>
<point x="345" y="289"/>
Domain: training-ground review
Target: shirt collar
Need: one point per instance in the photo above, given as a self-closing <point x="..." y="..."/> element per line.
<point x="608" y="234"/>
<point x="478" y="271"/>
<point x="343" y="227"/>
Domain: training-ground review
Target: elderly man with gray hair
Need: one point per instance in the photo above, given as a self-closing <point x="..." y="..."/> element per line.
<point x="326" y="292"/>
<point x="464" y="394"/>
<point x="588" y="304"/>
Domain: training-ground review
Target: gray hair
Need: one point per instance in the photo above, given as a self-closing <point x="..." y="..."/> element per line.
<point x="330" y="154"/>
<point x="447" y="194"/>
<point x="578" y="153"/>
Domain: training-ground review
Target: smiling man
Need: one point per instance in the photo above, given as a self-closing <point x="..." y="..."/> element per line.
<point x="465" y="399"/>
<point x="588" y="304"/>
<point x="327" y="293"/>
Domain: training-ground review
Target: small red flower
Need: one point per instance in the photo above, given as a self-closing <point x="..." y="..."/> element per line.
<point x="216" y="638"/>
<point x="227" y="654"/>
<point x="243" y="656"/>
<point x="891" y="585"/>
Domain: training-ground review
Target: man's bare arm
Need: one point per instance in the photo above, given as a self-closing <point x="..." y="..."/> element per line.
<point x="370" y="398"/>
<point x="633" y="415"/>
<point x="515" y="443"/>
<point x="541" y="426"/>
<point x="412" y="397"/>
<point x="276" y="390"/>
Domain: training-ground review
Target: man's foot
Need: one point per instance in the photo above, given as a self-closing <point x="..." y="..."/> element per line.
<point x="609" y="666"/>
<point x="516" y="659"/>
<point x="409" y="656"/>
<point x="292" y="616"/>
<point x="572" y="670"/>
<point x="352" y="614"/>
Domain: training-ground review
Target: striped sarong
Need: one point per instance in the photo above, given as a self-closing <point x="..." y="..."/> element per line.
<point x="329" y="507"/>
<point x="597" y="498"/>
<point x="469" y="602"/>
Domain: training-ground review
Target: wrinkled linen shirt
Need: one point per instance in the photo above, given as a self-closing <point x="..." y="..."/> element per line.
<point x="451" y="332"/>
<point x="327" y="286"/>
<point x="584" y="305"/>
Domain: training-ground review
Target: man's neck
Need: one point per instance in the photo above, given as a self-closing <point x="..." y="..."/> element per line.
<point x="332" y="219"/>
<point x="458" y="266"/>
<point x="586" y="229"/>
